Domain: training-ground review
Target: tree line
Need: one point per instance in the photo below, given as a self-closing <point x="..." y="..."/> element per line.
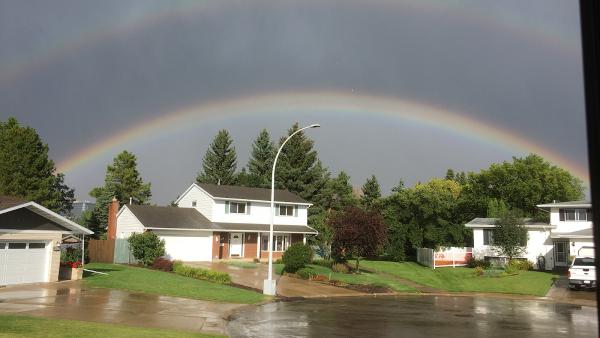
<point x="428" y="214"/>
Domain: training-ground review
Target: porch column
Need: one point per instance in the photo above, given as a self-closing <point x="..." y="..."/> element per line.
<point x="258" y="245"/>
<point x="304" y="239"/>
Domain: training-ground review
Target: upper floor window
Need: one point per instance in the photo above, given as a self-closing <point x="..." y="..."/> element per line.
<point x="286" y="210"/>
<point x="488" y="237"/>
<point x="575" y="215"/>
<point x="237" y="208"/>
<point x="193" y="203"/>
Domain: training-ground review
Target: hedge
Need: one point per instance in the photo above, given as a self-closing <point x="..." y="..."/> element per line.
<point x="199" y="273"/>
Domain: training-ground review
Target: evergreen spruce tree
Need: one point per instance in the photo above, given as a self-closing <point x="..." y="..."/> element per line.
<point x="298" y="168"/>
<point x="261" y="160"/>
<point x="123" y="182"/>
<point x="27" y="172"/>
<point x="371" y="192"/>
<point x="219" y="162"/>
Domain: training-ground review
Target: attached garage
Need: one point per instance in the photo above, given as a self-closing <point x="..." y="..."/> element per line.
<point x="189" y="246"/>
<point x="30" y="236"/>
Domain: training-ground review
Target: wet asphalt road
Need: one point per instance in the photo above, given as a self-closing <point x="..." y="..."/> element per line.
<point x="415" y="316"/>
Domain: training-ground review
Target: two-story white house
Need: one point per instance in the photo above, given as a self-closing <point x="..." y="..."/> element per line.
<point x="569" y="230"/>
<point x="220" y="221"/>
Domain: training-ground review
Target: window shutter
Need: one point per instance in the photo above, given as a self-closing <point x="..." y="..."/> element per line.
<point x="248" y="208"/>
<point x="277" y="210"/>
<point x="562" y="214"/>
<point x="226" y="207"/>
<point x="295" y="211"/>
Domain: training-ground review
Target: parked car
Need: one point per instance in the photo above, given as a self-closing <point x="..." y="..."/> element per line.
<point x="582" y="273"/>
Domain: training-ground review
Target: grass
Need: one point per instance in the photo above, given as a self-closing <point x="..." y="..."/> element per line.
<point x="464" y="279"/>
<point x="23" y="326"/>
<point x="242" y="264"/>
<point x="166" y="283"/>
<point x="364" y="278"/>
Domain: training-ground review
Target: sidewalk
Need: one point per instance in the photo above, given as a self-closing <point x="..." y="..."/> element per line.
<point x="286" y="286"/>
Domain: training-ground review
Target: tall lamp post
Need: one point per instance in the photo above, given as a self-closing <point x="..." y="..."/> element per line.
<point x="269" y="285"/>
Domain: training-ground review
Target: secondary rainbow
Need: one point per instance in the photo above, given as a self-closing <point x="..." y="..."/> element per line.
<point x="335" y="102"/>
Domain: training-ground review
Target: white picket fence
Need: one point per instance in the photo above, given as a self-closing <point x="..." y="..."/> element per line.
<point x="444" y="257"/>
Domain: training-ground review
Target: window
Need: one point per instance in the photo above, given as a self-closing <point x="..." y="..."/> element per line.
<point x="236" y="208"/>
<point x="37" y="245"/>
<point x="193" y="203"/>
<point x="488" y="237"/>
<point x="286" y="210"/>
<point x="280" y="243"/>
<point x="574" y="215"/>
<point x="17" y="245"/>
<point x="2" y="245"/>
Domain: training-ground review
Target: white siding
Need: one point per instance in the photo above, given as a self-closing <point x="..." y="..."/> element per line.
<point x="577" y="244"/>
<point x="567" y="226"/>
<point x="260" y="213"/>
<point x="127" y="224"/>
<point x="204" y="203"/>
<point x="188" y="246"/>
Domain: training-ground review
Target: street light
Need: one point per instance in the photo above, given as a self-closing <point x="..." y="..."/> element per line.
<point x="270" y="285"/>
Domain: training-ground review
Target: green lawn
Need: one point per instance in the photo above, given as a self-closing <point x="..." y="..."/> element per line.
<point x="464" y="279"/>
<point x="363" y="278"/>
<point x="23" y="326"/>
<point x="166" y="283"/>
<point x="243" y="264"/>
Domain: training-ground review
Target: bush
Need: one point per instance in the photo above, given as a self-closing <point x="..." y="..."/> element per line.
<point x="70" y="255"/>
<point x="340" y="267"/>
<point x="296" y="257"/>
<point x="323" y="262"/>
<point x="146" y="247"/>
<point x="305" y="273"/>
<point x="162" y="264"/>
<point x="475" y="263"/>
<point x="520" y="264"/>
<point x="199" y="273"/>
<point x="256" y="260"/>
<point x="479" y="271"/>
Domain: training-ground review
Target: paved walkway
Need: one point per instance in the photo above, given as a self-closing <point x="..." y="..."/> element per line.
<point x="69" y="300"/>
<point x="286" y="286"/>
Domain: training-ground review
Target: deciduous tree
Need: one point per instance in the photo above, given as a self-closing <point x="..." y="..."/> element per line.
<point x="510" y="236"/>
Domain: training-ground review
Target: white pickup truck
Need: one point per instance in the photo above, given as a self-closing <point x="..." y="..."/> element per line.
<point x="582" y="273"/>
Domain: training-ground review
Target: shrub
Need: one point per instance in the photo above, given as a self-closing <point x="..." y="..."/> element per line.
<point x="296" y="257"/>
<point x="479" y="271"/>
<point x="70" y="255"/>
<point x="475" y="263"/>
<point x="520" y="264"/>
<point x="146" y="247"/>
<point x="199" y="273"/>
<point x="323" y="262"/>
<point x="162" y="264"/>
<point x="305" y="273"/>
<point x="256" y="260"/>
<point x="340" y="267"/>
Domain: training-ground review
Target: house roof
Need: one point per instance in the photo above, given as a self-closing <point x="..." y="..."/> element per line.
<point x="9" y="204"/>
<point x="10" y="201"/>
<point x="584" y="233"/>
<point x="572" y="204"/>
<point x="250" y="193"/>
<point x="483" y="222"/>
<point x="167" y="218"/>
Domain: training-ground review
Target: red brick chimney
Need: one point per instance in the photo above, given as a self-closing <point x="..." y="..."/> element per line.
<point x="113" y="208"/>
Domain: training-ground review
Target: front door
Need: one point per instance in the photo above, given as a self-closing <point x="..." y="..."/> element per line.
<point x="235" y="245"/>
<point x="561" y="253"/>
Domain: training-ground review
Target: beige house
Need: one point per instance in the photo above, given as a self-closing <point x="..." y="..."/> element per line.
<point x="30" y="237"/>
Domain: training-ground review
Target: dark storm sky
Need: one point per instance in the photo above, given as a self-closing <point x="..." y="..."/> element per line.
<point x="80" y="71"/>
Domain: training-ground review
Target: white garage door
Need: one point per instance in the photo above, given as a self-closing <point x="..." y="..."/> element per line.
<point x="192" y="246"/>
<point x="23" y="262"/>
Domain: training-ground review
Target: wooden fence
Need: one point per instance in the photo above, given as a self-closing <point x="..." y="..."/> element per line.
<point x="101" y="250"/>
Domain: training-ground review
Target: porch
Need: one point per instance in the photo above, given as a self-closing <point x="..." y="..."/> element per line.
<point x="252" y="245"/>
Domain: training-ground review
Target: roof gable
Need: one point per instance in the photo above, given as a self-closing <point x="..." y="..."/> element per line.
<point x="48" y="214"/>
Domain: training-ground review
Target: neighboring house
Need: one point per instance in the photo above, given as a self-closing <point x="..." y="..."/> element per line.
<point x="569" y="230"/>
<point x="219" y="221"/>
<point x="30" y="236"/>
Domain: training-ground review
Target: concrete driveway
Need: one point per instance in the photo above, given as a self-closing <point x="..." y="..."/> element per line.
<point x="560" y="292"/>
<point x="286" y="286"/>
<point x="70" y="300"/>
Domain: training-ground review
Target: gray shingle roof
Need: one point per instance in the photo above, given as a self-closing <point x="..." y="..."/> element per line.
<point x="169" y="217"/>
<point x="574" y="234"/>
<point x="582" y="203"/>
<point x="10" y="201"/>
<point x="248" y="193"/>
<point x="190" y="218"/>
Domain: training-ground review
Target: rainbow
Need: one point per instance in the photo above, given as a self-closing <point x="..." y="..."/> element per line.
<point x="349" y="104"/>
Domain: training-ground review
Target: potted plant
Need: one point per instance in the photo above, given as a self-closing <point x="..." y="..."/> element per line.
<point x="71" y="267"/>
